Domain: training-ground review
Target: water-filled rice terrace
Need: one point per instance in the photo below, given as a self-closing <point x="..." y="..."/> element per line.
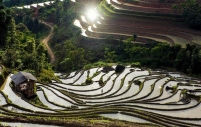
<point x="135" y="95"/>
<point x="150" y="20"/>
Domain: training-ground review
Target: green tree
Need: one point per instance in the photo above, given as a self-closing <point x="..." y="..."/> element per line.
<point x="30" y="46"/>
<point x="66" y="64"/>
<point x="55" y="29"/>
<point x="77" y="58"/>
<point x="192" y="13"/>
<point x="66" y="4"/>
<point x="20" y="50"/>
<point x="110" y="56"/>
<point x="41" y="49"/>
<point x="5" y="20"/>
<point x="11" y="36"/>
<point x="36" y="25"/>
<point x="196" y="61"/>
<point x="161" y="51"/>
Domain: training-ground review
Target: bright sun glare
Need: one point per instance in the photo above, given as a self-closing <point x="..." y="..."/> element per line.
<point x="92" y="14"/>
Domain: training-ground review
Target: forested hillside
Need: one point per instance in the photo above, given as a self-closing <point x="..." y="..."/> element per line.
<point x="20" y="50"/>
<point x="136" y="61"/>
<point x="74" y="51"/>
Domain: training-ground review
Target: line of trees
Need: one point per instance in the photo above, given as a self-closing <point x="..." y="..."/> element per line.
<point x="191" y="12"/>
<point x="157" y="55"/>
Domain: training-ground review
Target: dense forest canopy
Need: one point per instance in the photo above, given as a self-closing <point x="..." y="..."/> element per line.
<point x="191" y="12"/>
<point x="19" y="48"/>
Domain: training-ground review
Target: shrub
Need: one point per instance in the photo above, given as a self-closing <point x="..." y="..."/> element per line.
<point x="137" y="82"/>
<point x="119" y="68"/>
<point x="106" y="69"/>
<point x="88" y="81"/>
<point x="88" y="66"/>
<point x="101" y="83"/>
<point x="136" y="64"/>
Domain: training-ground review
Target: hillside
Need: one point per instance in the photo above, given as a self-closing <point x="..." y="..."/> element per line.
<point x="101" y="63"/>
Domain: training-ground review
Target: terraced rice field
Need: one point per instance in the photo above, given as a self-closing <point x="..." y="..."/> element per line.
<point x="120" y="97"/>
<point x="161" y="98"/>
<point x="149" y="20"/>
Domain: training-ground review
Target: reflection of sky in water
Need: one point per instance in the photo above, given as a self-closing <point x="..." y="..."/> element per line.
<point x="54" y="98"/>
<point x="187" y="113"/>
<point x="158" y="106"/>
<point x="44" y="101"/>
<point x="118" y="94"/>
<point x="175" y="75"/>
<point x="108" y="1"/>
<point x="77" y="23"/>
<point x="71" y="80"/>
<point x="82" y="79"/>
<point x="2" y="100"/>
<point x="157" y="88"/>
<point x="89" y="28"/>
<point x="17" y="100"/>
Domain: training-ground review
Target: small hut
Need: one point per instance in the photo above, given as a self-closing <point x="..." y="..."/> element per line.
<point x="24" y="83"/>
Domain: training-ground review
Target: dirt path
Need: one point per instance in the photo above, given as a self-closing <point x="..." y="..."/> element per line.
<point x="45" y="42"/>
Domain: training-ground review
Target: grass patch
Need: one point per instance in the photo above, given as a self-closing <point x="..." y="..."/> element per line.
<point x="100" y="121"/>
